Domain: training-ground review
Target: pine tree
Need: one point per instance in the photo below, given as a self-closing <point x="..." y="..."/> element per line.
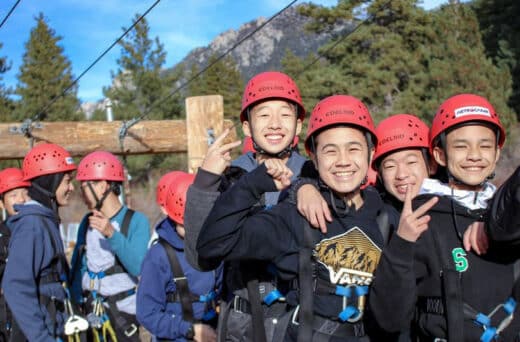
<point x="459" y="63"/>
<point x="222" y="78"/>
<point x="44" y="75"/>
<point x="384" y="59"/>
<point x="7" y="105"/>
<point x="499" y="25"/>
<point x="139" y="86"/>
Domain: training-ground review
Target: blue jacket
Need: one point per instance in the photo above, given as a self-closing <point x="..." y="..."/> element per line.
<point x="130" y="249"/>
<point x="162" y="319"/>
<point x="30" y="255"/>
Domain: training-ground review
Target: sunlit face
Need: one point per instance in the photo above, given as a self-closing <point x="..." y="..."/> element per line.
<point x="272" y="125"/>
<point x="402" y="170"/>
<point x="64" y="190"/>
<point x="12" y="197"/>
<point x="341" y="157"/>
<point x="472" y="155"/>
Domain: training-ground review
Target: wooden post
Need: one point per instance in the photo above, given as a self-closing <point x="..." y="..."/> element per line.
<point x="204" y="122"/>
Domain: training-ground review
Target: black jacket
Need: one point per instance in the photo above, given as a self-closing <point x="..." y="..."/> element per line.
<point x="407" y="285"/>
<point x="503" y="224"/>
<point x="276" y="235"/>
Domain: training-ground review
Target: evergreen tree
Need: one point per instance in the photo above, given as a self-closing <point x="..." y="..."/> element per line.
<point x="222" y="78"/>
<point x="44" y="74"/>
<point x="139" y="85"/>
<point x="459" y="63"/>
<point x="384" y="60"/>
<point x="7" y="105"/>
<point x="500" y="26"/>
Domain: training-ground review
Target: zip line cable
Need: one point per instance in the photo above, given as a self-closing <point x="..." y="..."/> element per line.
<point x="321" y="55"/>
<point x="9" y="13"/>
<point x="132" y="122"/>
<point x="41" y="111"/>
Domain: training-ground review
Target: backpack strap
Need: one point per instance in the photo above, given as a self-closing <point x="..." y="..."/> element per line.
<point x="383" y="222"/>
<point x="126" y="221"/>
<point x="181" y="282"/>
<point x="305" y="274"/>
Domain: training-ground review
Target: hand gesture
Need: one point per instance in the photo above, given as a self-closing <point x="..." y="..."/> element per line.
<point x="101" y="223"/>
<point x="413" y="223"/>
<point x="281" y="174"/>
<point x="475" y="238"/>
<point x="218" y="157"/>
<point x="204" y="333"/>
<point x="313" y="207"/>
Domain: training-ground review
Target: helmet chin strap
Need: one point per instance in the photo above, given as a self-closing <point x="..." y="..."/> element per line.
<point x="99" y="201"/>
<point x="52" y="196"/>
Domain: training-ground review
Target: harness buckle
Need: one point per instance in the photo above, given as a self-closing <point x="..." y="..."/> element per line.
<point x="131" y="330"/>
<point x="237" y="304"/>
<point x="179" y="278"/>
<point x="294" y="317"/>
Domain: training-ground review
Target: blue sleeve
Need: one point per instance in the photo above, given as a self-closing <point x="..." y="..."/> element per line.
<point x="131" y="249"/>
<point x="26" y="259"/>
<point x="151" y="298"/>
<point x="232" y="233"/>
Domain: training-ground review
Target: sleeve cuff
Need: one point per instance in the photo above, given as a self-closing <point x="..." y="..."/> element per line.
<point x="207" y="181"/>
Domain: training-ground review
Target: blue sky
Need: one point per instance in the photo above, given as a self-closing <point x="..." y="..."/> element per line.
<point x="88" y="27"/>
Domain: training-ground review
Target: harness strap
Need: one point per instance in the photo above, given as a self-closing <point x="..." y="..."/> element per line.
<point x="180" y="280"/>
<point x="306" y="295"/>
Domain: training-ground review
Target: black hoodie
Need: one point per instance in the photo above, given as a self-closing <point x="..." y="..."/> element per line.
<point x="276" y="235"/>
<point x="408" y="281"/>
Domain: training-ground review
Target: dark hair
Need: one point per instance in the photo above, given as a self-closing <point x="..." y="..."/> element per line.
<point x="43" y="189"/>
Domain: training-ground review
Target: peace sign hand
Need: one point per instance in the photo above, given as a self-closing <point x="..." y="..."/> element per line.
<point x="413" y="223"/>
<point x="218" y="157"/>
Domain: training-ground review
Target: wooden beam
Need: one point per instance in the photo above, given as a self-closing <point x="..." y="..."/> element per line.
<point x="82" y="137"/>
<point x="204" y="122"/>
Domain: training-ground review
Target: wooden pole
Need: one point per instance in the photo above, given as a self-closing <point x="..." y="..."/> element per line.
<point x="204" y="122"/>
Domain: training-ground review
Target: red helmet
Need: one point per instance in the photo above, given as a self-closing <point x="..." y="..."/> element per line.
<point x="337" y="110"/>
<point x="12" y="178"/>
<point x="46" y="159"/>
<point x="100" y="165"/>
<point x="163" y="185"/>
<point x="400" y="131"/>
<point x="271" y="85"/>
<point x="371" y="178"/>
<point x="247" y="145"/>
<point x="176" y="196"/>
<point x="464" y="108"/>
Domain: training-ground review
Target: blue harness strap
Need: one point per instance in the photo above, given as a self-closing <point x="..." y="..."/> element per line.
<point x="351" y="312"/>
<point x="491" y="332"/>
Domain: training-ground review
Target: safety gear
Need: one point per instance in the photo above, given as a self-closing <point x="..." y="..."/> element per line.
<point x="163" y="185"/>
<point x="464" y="108"/>
<point x="12" y="178"/>
<point x="339" y="110"/>
<point x="270" y="85"/>
<point x="400" y="131"/>
<point x="176" y="196"/>
<point x="46" y="159"/>
<point x="100" y="165"/>
<point x="248" y="144"/>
